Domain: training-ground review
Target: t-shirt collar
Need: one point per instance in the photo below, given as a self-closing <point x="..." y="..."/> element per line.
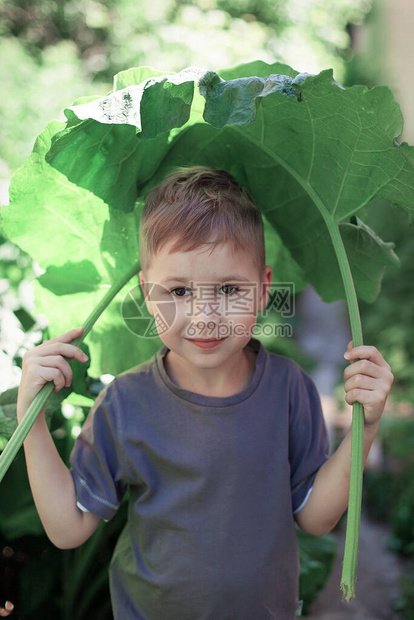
<point x="215" y="401"/>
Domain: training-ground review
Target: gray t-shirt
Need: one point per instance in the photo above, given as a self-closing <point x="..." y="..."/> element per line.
<point x="214" y="483"/>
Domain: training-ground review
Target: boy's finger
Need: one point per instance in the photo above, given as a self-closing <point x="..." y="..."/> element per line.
<point x="348" y="349"/>
<point x="363" y="367"/>
<point x="53" y="374"/>
<point x="65" y="349"/>
<point x="366" y="352"/>
<point x="56" y="363"/>
<point x="67" y="336"/>
<point x="6" y="610"/>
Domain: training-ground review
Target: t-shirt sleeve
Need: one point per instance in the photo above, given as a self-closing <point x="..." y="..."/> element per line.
<point x="96" y="459"/>
<point x="308" y="438"/>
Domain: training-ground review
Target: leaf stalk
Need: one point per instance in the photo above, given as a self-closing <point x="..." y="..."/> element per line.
<point x="357" y="434"/>
<point x="349" y="565"/>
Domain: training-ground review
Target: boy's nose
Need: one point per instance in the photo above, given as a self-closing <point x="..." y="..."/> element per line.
<point x="205" y="324"/>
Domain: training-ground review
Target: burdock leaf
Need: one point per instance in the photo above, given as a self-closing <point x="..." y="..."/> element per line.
<point x="311" y="153"/>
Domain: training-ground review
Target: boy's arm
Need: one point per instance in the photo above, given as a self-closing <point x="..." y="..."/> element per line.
<point x="368" y="381"/>
<point x="53" y="491"/>
<point x="50" y="480"/>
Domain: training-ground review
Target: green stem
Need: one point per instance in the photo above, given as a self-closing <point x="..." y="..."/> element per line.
<point x="357" y="435"/>
<point x="349" y="565"/>
<point x="19" y="435"/>
<point x="355" y="489"/>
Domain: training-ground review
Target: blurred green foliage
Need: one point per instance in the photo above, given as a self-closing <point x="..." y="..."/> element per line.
<point x="389" y="491"/>
<point x="111" y="35"/>
<point x="15" y="265"/>
<point x="389" y="497"/>
<point x="317" y="555"/>
<point x="389" y="324"/>
<point x="57" y="51"/>
<point x="38" y="88"/>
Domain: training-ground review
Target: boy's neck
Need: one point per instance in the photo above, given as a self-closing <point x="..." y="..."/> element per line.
<point x="219" y="382"/>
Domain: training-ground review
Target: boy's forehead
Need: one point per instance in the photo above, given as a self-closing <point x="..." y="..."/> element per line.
<point x="228" y="250"/>
<point x="221" y="260"/>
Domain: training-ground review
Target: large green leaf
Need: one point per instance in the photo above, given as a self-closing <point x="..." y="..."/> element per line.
<point x="82" y="244"/>
<point x="308" y="150"/>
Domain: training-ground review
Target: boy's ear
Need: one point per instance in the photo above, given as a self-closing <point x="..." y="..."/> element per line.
<point x="266" y="282"/>
<point x="143" y="283"/>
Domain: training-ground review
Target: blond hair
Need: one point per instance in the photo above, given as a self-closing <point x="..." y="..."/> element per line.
<point x="196" y="204"/>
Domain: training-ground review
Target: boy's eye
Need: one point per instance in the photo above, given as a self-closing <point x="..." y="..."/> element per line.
<point x="235" y="289"/>
<point x="229" y="290"/>
<point x="180" y="293"/>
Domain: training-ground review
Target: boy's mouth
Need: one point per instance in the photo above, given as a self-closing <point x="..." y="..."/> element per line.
<point x="206" y="343"/>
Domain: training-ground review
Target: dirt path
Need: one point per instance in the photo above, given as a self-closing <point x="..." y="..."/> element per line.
<point x="378" y="576"/>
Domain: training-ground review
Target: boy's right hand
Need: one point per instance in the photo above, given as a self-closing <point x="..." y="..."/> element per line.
<point x="46" y="363"/>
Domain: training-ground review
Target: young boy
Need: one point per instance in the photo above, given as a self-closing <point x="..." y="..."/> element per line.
<point x="221" y="444"/>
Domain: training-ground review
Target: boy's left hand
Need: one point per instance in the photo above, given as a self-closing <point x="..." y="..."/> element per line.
<point x="367" y="381"/>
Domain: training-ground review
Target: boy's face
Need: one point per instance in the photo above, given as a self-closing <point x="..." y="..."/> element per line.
<point x="207" y="294"/>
